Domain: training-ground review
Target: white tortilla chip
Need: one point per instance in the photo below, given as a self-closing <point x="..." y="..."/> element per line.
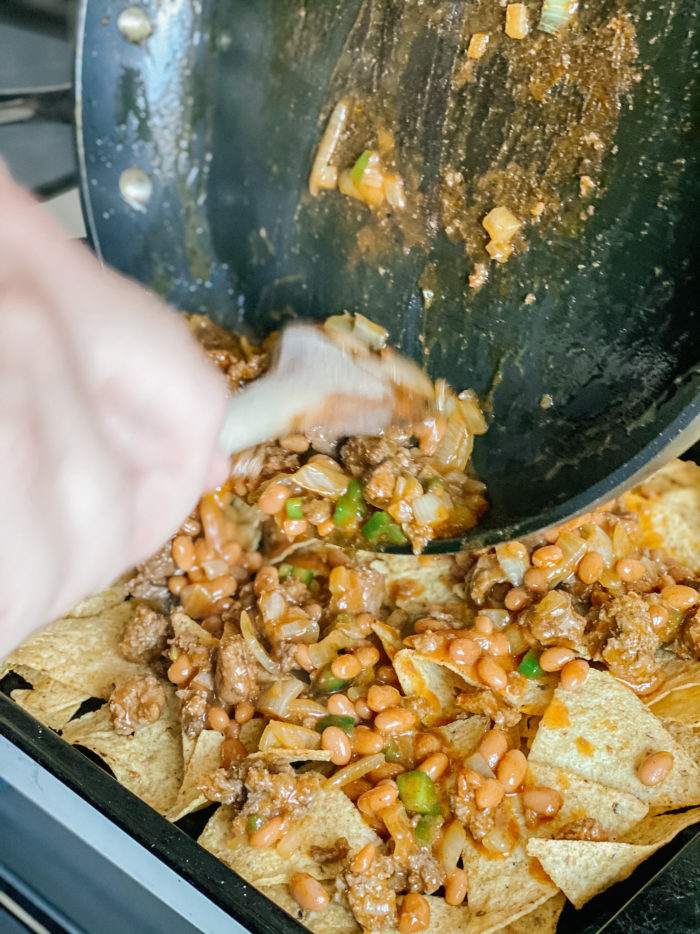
<point x="543" y="920"/>
<point x="149" y="763"/>
<point x="432" y="575"/>
<point x="603" y="732"/>
<point x="98" y="602"/>
<point x="50" y="701"/>
<point x="205" y="758"/>
<point x="463" y="736"/>
<point x="436" y="684"/>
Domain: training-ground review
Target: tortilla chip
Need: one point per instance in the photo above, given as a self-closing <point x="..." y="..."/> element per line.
<point x="463" y="736"/>
<point x="445" y="918"/>
<point x="83" y="653"/>
<point x="679" y="674"/>
<point x="671" y="518"/>
<point x="251" y="732"/>
<point x="389" y="637"/>
<point x="543" y="920"/>
<point x="603" y="731"/>
<point x="681" y="706"/>
<point x="432" y="575"/>
<point x="687" y="737"/>
<point x="149" y="763"/>
<point x="531" y="695"/>
<point x="436" y="684"/>
<point x="332" y="816"/>
<point x="659" y="829"/>
<point x="205" y="758"/>
<point x="336" y="919"/>
<point x="98" y="602"/>
<point x="184" y="626"/>
<point x="49" y="701"/>
<point x="506" y="886"/>
<point x="616" y="811"/>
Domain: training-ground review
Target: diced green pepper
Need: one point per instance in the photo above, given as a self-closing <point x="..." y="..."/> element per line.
<point x="346" y="724"/>
<point x="391" y="753"/>
<point x="675" y="618"/>
<point x="351" y="506"/>
<point x="417" y="792"/>
<point x="293" y="508"/>
<point x="284" y="570"/>
<point x="426" y="828"/>
<point x="530" y="665"/>
<point x="327" y="683"/>
<point x="434" y="483"/>
<point x="382" y="528"/>
<point x="254" y="822"/>
<point x="306" y="575"/>
<point x="358" y="170"/>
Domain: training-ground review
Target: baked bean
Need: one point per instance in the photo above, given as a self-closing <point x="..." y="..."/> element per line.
<point x="573" y="674"/>
<point x="217" y="719"/>
<point x="326" y="527"/>
<point x="516" y="550"/>
<point x="414" y="913"/>
<point x="180" y="670"/>
<point x="467" y="781"/>
<point x="341" y="706"/>
<point x="232" y="750"/>
<point x="269" y="833"/>
<point x="396" y="720"/>
<point x="511" y="770"/>
<point x="213" y="624"/>
<point x="378" y="798"/>
<point x="296" y="443"/>
<point x="292" y="528"/>
<point x="536" y="580"/>
<point x="221" y="587"/>
<point x="366" y="741"/>
<point x="489" y="794"/>
<point x="386" y="675"/>
<point x="463" y="651"/>
<point x="545" y="802"/>
<point x="367" y="656"/>
<point x="308" y="892"/>
<point x="363" y="623"/>
<point x="382" y="696"/>
<point x="177" y="583"/>
<point x="212" y="522"/>
<point x="183" y="552"/>
<point x="456" y="887"/>
<point x="428" y="624"/>
<point x="273" y="498"/>
<point x="361" y="709"/>
<point x="425" y="744"/>
<point x="555" y="658"/>
<point x="267" y="578"/>
<point x="243" y="712"/>
<point x="483" y="624"/>
<point x="659" y="615"/>
<point x="231" y="553"/>
<point x="354" y="789"/>
<point x="548" y="556"/>
<point x="338" y="744"/>
<point x="499" y="644"/>
<point x="386" y="772"/>
<point x="630" y="569"/>
<point x="346" y="667"/>
<point x="196" y="575"/>
<point x="590" y="567"/>
<point x="251" y="561"/>
<point x="203" y="551"/>
<point x="303" y="658"/>
<point x="493" y="747"/>
<point x="191" y="527"/>
<point x="517" y="598"/>
<point x="364" y="858"/>
<point x="434" y="765"/>
<point x="654" y="769"/>
<point x="491" y="673"/>
<point x="679" y="596"/>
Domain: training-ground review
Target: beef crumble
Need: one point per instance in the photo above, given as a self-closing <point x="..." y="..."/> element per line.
<point x="135" y="704"/>
<point x="145" y="635"/>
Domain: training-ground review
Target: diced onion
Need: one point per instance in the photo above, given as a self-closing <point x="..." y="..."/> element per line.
<point x="477" y="762"/>
<point x="429" y="509"/>
<point x="456" y="444"/>
<point x="355" y="770"/>
<point x="272" y="606"/>
<point x="451" y="845"/>
<point x="501" y="224"/>
<point x="288" y="736"/>
<point x="322" y="479"/>
<point x="598" y="540"/>
<point x="513" y="566"/>
<point x="326" y="148"/>
<point x="326" y="650"/>
<point x="291" y="841"/>
<point x="248" y="633"/>
<point x="399" y="826"/>
<point x="556" y="14"/>
<point x="472" y="412"/>
<point x="274" y="700"/>
<point x="303" y="707"/>
<point x="370" y="333"/>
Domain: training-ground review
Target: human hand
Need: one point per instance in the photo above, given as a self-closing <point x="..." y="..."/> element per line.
<point x="109" y="420"/>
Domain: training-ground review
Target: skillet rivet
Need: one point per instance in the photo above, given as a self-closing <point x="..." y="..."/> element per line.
<point x="134" y="24"/>
<point x="136" y="188"/>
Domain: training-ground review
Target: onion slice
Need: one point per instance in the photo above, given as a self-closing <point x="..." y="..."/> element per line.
<point x="248" y="633"/>
<point x="355" y="770"/>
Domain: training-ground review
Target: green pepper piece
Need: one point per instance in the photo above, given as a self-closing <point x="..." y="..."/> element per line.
<point x="417" y="792"/>
<point x="351" y="506"/>
<point x="358" y="170"/>
<point x="305" y="575"/>
<point x="254" y="822"/>
<point x="391" y="753"/>
<point x="381" y="527"/>
<point x="327" y="683"/>
<point x="293" y="507"/>
<point x="346" y="724"/>
<point x="284" y="570"/>
<point x="426" y="828"/>
<point x="530" y="665"/>
<point x="434" y="483"/>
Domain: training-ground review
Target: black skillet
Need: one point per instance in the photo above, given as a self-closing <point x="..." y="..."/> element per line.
<point x="214" y="113"/>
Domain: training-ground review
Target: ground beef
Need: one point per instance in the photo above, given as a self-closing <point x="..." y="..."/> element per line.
<point x="223" y="785"/>
<point x="585" y="828"/>
<point x="135" y="704"/>
<point x="360" y="454"/>
<point x="559" y="624"/>
<point x="317" y="510"/>
<point x="485" y="574"/>
<point x="481" y="822"/>
<point x="334" y="853"/>
<point x="272" y="790"/>
<point x="235" y="677"/>
<point x="371" y="901"/>
<point x="150" y="583"/>
<point x="145" y="635"/>
<point x="689" y="637"/>
<point x="193" y="710"/>
<point x="381" y="482"/>
<point x="629" y="649"/>
<point x="485" y="701"/>
<point x="234" y="356"/>
<point x="425" y="873"/>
